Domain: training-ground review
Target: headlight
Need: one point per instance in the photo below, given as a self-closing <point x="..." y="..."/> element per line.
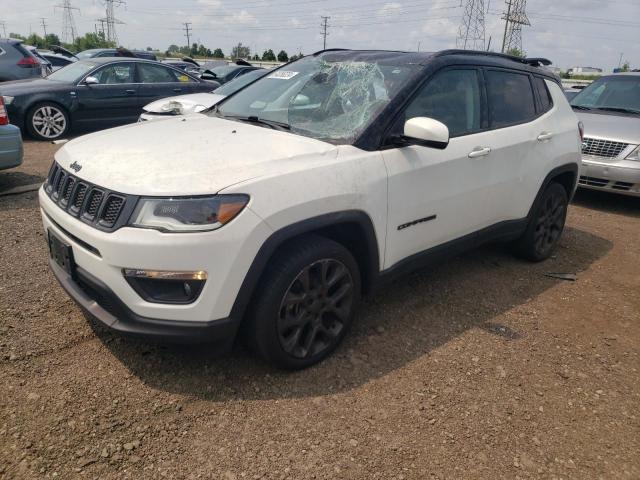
<point x="187" y="214"/>
<point x="173" y="107"/>
<point x="7" y="100"/>
<point x="635" y="155"/>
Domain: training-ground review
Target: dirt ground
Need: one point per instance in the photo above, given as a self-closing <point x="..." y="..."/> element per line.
<point x="480" y="368"/>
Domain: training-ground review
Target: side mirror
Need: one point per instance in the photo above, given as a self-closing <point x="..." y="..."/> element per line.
<point x="91" y="81"/>
<point x="427" y="132"/>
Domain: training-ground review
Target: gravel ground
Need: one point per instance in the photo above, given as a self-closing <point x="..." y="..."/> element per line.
<point x="480" y="368"/>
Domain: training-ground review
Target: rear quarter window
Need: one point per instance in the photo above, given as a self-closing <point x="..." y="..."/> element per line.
<point x="546" y="102"/>
<point x="511" y="99"/>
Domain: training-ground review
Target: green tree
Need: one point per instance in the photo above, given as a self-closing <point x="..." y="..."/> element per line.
<point x="625" y="67"/>
<point x="515" y="52"/>
<point x="296" y="57"/>
<point x="17" y="36"/>
<point x="91" y="40"/>
<point x="217" y="53"/>
<point x="255" y="57"/>
<point x="282" y="56"/>
<point x="240" y="51"/>
<point x="269" y="56"/>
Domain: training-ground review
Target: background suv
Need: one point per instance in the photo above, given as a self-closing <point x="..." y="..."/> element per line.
<point x="306" y="189"/>
<point x="610" y="111"/>
<point x="16" y="62"/>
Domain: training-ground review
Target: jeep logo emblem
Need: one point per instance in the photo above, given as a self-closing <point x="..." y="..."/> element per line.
<point x="75" y="166"/>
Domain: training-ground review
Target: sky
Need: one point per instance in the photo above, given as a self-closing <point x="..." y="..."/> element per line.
<point x="568" y="32"/>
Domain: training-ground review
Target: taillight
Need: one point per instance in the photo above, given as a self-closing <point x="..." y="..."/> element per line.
<point x="581" y="130"/>
<point x="4" y="116"/>
<point x="28" y="62"/>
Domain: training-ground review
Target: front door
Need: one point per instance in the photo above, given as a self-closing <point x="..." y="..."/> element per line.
<point x="435" y="196"/>
<point x="113" y="100"/>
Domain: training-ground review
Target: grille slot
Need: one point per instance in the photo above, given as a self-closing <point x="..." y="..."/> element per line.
<point x="625" y="186"/>
<point x="111" y="211"/>
<point x="93" y="203"/>
<point x="593" y="181"/>
<point x="602" y="148"/>
<point x="78" y="197"/>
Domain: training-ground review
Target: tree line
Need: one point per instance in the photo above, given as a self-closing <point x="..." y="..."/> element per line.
<point x="97" y="40"/>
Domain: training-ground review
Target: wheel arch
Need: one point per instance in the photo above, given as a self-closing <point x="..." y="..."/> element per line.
<point x="566" y="175"/>
<point x="352" y="228"/>
<point x="41" y="100"/>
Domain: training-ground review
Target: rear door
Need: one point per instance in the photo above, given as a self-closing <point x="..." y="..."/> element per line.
<point x="114" y="100"/>
<point x="158" y="81"/>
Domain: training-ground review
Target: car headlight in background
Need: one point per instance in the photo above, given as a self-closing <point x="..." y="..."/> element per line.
<point x="635" y="155"/>
<point x="7" y="100"/>
<point x="187" y="214"/>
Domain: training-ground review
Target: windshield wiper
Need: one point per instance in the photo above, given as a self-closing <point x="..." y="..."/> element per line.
<point x="261" y="121"/>
<point x="580" y="107"/>
<point x="619" y="109"/>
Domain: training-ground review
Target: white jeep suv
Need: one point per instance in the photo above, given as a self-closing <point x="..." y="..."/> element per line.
<point x="273" y="213"/>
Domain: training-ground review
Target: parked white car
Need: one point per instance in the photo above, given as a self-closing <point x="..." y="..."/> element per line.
<point x="273" y="214"/>
<point x="196" y="102"/>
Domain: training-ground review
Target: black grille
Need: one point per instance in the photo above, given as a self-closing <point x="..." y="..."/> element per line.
<point x="94" y="205"/>
<point x="111" y="210"/>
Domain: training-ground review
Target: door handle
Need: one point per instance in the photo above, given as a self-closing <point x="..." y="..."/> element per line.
<point x="480" y="152"/>
<point x="130" y="92"/>
<point x="177" y="90"/>
<point x="544" y="136"/>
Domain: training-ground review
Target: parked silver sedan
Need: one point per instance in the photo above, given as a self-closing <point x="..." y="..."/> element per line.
<point x="610" y="111"/>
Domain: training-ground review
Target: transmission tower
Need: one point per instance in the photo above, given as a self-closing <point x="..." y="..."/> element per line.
<point x="515" y="17"/>
<point x="110" y="19"/>
<point x="68" y="24"/>
<point x="471" y="32"/>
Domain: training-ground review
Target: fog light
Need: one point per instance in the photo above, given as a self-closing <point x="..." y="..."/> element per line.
<point x="158" y="286"/>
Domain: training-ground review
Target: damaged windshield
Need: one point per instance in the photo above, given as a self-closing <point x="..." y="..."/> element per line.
<point x="329" y="99"/>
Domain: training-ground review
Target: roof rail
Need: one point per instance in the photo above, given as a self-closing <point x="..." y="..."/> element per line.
<point x="329" y="50"/>
<point x="534" y="62"/>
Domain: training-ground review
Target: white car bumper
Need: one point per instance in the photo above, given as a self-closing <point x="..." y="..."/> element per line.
<point x="618" y="176"/>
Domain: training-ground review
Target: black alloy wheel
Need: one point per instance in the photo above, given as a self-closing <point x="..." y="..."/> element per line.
<point x="315" y="308"/>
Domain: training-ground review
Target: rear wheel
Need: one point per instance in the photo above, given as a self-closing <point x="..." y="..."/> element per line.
<point x="47" y="121"/>
<point x="306" y="303"/>
<point x="545" y="226"/>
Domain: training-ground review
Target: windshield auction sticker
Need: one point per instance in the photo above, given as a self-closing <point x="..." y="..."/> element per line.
<point x="283" y="75"/>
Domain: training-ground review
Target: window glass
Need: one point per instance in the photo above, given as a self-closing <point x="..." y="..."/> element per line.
<point x="543" y="92"/>
<point x="620" y="91"/>
<point x="73" y="72"/>
<point x="510" y="98"/>
<point x="116" y="74"/>
<point x="452" y="97"/>
<point x="150" y="73"/>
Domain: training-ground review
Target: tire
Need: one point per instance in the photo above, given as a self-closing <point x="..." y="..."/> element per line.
<point x="545" y="226"/>
<point x="297" y="320"/>
<point x="47" y="121"/>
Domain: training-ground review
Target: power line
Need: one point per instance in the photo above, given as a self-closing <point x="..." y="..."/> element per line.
<point x="515" y="17"/>
<point x="187" y="30"/>
<point x="324" y="31"/>
<point x="471" y="34"/>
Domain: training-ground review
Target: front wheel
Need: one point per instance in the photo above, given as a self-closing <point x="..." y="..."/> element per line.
<point x="306" y="303"/>
<point x="47" y="121"/>
<point x="545" y="225"/>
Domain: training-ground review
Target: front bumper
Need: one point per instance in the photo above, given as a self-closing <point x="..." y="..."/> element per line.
<point x="101" y="304"/>
<point x="11" y="149"/>
<point x="617" y="176"/>
<point x="225" y="254"/>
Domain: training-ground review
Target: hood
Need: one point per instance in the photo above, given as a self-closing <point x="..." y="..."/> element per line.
<point x="618" y="127"/>
<point x="31" y="85"/>
<point x="189" y="155"/>
<point x="188" y="102"/>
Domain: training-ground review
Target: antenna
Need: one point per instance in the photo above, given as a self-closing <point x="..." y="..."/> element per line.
<point x="514" y="18"/>
<point x="324" y="31"/>
<point x="111" y="20"/>
<point x="68" y="24"/>
<point x="471" y="34"/>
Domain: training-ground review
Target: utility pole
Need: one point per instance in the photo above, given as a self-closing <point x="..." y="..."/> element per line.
<point x="44" y="27"/>
<point x="471" y="34"/>
<point x="187" y="33"/>
<point x="102" y="21"/>
<point x="4" y="29"/>
<point x="514" y="18"/>
<point x="324" y="31"/>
